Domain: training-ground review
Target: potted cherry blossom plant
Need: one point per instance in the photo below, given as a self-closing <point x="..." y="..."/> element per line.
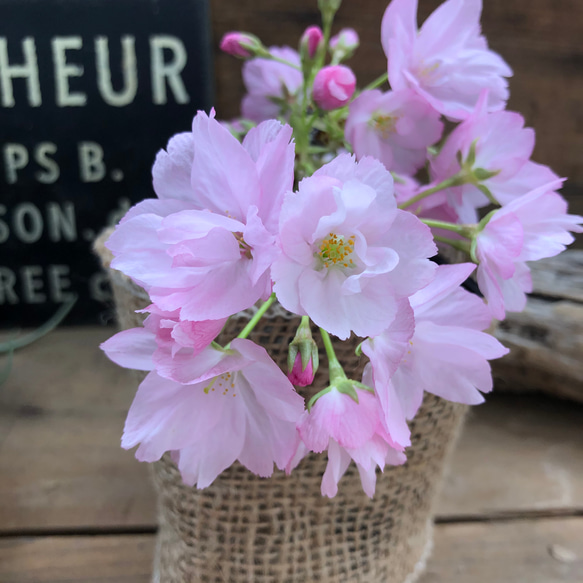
<point x="303" y="236"/>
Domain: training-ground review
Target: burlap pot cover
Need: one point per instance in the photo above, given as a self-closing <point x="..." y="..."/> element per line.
<point x="281" y="530"/>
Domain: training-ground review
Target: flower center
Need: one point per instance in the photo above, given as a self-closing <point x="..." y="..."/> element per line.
<point x="244" y="248"/>
<point x="223" y="383"/>
<point x="335" y="250"/>
<point x="384" y="124"/>
<point x="429" y="73"/>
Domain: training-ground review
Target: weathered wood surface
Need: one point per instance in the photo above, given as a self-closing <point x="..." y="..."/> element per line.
<point x="541" y="551"/>
<point x="540" y="39"/>
<point x="61" y="467"/>
<point x="77" y="559"/>
<point x="546" y="339"/>
<point x="61" y="416"/>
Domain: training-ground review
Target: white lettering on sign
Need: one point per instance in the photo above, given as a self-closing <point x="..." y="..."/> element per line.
<point x="99" y="289"/>
<point x="28" y="70"/>
<point x="167" y="71"/>
<point x="129" y="71"/>
<point x="27" y="223"/>
<point x="15" y="158"/>
<point x="58" y="279"/>
<point x="63" y="70"/>
<point x="61" y="223"/>
<point x="91" y="166"/>
<point x="7" y="283"/>
<point x="32" y="284"/>
<point x="51" y="171"/>
<point x="168" y="58"/>
<point x="37" y="284"/>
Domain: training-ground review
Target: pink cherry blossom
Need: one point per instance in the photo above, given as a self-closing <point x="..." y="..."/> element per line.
<point x="375" y="452"/>
<point x="395" y="127"/>
<point x="385" y="352"/>
<point x="240" y="407"/>
<point x="333" y="87"/>
<point x="311" y="40"/>
<point x="529" y="228"/>
<point x="448" y="353"/>
<point x="348" y="430"/>
<point x="348" y="254"/>
<point x="502" y="145"/>
<point x="163" y="343"/>
<point x="447" y="61"/>
<point x="267" y="81"/>
<point x="214" y="262"/>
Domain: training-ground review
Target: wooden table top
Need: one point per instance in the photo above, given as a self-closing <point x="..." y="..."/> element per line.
<point x="74" y="507"/>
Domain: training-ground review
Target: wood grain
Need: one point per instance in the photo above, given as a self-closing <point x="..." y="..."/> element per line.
<point x="61" y="416"/>
<point x="542" y="551"/>
<point x="61" y="467"/>
<point x="508" y="552"/>
<point x="78" y="559"/>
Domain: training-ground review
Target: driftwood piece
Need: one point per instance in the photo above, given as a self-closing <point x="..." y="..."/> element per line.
<point x="546" y="339"/>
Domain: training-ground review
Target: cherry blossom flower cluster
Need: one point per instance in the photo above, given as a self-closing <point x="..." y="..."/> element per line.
<point x="334" y="201"/>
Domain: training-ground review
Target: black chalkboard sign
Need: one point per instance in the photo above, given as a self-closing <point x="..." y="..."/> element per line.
<point x="90" y="90"/>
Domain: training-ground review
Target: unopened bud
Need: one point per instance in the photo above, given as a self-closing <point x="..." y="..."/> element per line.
<point x="241" y="44"/>
<point x="302" y="377"/>
<point x="344" y="44"/>
<point x="311" y="41"/>
<point x="302" y="358"/>
<point x="333" y="87"/>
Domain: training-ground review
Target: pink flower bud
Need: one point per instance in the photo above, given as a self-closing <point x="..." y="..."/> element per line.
<point x="333" y="87"/>
<point x="347" y="39"/>
<point x="240" y="44"/>
<point x="311" y="40"/>
<point x="299" y="376"/>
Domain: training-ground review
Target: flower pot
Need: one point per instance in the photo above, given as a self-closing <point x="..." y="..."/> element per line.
<point x="244" y="528"/>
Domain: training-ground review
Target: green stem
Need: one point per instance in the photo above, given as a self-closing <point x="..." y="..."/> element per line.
<point x="377" y="82"/>
<point x="459" y="245"/>
<point x="258" y="315"/>
<point x="456" y="180"/>
<point x="334" y="367"/>
<point x="284" y="62"/>
<point x="462" y="230"/>
<point x="49" y="325"/>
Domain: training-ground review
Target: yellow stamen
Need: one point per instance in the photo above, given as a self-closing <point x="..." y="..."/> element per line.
<point x="385" y="125"/>
<point x="335" y="249"/>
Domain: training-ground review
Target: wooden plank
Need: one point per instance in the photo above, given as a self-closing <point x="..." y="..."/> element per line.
<point x="539" y="551"/>
<point x="61" y="416"/>
<point x="533" y="551"/>
<point x="86" y="559"/>
<point x="61" y="467"/>
<point x="517" y="454"/>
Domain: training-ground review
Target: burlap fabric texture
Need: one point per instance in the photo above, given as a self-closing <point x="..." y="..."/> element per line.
<point x="281" y="530"/>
